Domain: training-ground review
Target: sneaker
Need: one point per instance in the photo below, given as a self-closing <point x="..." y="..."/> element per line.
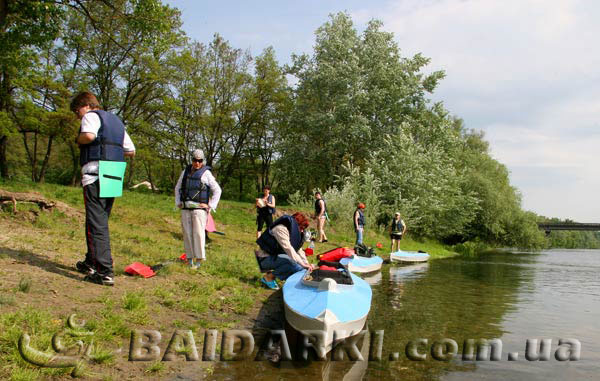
<point x="196" y="266"/>
<point x="271" y="284"/>
<point x="84" y="268"/>
<point x="105" y="280"/>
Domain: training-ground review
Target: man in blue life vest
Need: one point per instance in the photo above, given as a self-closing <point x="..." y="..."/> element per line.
<point x="196" y="193"/>
<point x="102" y="136"/>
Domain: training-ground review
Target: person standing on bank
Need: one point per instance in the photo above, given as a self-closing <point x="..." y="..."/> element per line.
<point x="196" y="194"/>
<point x="102" y="136"/>
<point x="398" y="229"/>
<point x="265" y="208"/>
<point x="359" y="222"/>
<point x="321" y="216"/>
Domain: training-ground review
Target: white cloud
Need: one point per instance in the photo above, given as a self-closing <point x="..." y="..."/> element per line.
<point x="528" y="74"/>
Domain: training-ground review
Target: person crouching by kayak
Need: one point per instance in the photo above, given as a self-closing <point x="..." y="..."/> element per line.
<point x="398" y="229"/>
<point x="196" y="193"/>
<point x="281" y="249"/>
<point x="359" y="222"/>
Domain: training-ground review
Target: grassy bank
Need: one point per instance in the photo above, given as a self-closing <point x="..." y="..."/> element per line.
<point x="39" y="288"/>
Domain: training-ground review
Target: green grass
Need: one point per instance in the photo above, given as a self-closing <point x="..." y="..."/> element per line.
<point x="24" y="285"/>
<point x="155" y="367"/>
<point x="146" y="228"/>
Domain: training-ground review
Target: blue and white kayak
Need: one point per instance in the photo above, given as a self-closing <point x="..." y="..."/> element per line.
<point x="326" y="307"/>
<point x="408" y="256"/>
<point x="358" y="264"/>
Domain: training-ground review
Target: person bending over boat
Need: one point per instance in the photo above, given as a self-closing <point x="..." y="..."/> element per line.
<point x="281" y="249"/>
<point x="398" y="229"/>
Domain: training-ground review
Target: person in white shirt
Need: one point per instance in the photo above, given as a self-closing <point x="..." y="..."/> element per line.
<point x="102" y="136"/>
<point x="196" y="194"/>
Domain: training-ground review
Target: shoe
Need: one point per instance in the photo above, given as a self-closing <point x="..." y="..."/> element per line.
<point x="105" y="280"/>
<point x="271" y="284"/>
<point x="83" y="268"/>
<point x="324" y="240"/>
<point x="196" y="266"/>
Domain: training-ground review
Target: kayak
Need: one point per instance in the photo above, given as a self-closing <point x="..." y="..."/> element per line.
<point x="327" y="302"/>
<point x="408" y="256"/>
<point x="359" y="264"/>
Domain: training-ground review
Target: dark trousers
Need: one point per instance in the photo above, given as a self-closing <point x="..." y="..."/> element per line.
<point x="97" y="211"/>
<point x="264" y="218"/>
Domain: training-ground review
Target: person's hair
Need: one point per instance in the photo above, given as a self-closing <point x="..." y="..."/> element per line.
<point x="266" y="187"/>
<point x="301" y="220"/>
<point x="361" y="205"/>
<point x="84" y="98"/>
<point x="317" y="193"/>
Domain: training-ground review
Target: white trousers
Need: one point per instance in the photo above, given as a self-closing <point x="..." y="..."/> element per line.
<point x="193" y="222"/>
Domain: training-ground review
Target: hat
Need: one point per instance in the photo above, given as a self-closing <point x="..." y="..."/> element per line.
<point x="397" y="214"/>
<point x="198" y="154"/>
<point x="361" y="205"/>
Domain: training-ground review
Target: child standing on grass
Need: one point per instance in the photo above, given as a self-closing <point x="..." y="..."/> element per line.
<point x="102" y="136"/>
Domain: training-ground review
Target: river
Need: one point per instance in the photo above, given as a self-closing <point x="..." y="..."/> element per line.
<point x="509" y="296"/>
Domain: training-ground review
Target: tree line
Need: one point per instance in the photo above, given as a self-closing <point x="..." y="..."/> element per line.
<point x="353" y="119"/>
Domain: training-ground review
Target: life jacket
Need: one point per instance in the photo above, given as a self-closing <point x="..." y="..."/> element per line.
<point x="269" y="244"/>
<point x="318" y="206"/>
<point x="361" y="217"/>
<point x="192" y="188"/>
<point x="397" y="227"/>
<point x="108" y="144"/>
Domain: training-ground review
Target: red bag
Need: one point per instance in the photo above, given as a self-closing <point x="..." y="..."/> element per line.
<point x="336" y="254"/>
<point x="137" y="268"/>
<point x="328" y="268"/>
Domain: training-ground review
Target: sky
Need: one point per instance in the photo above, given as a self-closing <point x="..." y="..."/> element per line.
<point x="526" y="72"/>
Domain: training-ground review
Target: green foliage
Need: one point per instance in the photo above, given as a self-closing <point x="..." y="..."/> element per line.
<point x="358" y="123"/>
<point x="24" y="285"/>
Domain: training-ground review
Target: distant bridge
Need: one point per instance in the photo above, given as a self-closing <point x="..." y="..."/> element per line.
<point x="549" y="226"/>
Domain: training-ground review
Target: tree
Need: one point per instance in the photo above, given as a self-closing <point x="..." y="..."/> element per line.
<point x="25" y="25"/>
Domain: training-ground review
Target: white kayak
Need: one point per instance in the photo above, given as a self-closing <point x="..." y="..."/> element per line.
<point x="358" y="264"/>
<point x="326" y="306"/>
<point x="408" y="256"/>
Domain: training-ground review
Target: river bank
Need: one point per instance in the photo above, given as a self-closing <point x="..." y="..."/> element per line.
<point x="39" y="287"/>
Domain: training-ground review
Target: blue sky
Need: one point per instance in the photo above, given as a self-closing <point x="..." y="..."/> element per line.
<point x="527" y="73"/>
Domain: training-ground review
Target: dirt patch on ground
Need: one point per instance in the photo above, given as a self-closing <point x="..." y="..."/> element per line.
<point x="13" y="198"/>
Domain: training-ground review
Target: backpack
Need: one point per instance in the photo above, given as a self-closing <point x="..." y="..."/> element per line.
<point x="363" y="251"/>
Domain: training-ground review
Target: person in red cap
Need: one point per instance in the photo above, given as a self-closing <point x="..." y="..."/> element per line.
<point x="359" y="222"/>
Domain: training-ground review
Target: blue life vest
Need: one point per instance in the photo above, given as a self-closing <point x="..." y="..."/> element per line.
<point x="108" y="144"/>
<point x="192" y="188"/>
<point x="397" y="226"/>
<point x="361" y="217"/>
<point x="269" y="244"/>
